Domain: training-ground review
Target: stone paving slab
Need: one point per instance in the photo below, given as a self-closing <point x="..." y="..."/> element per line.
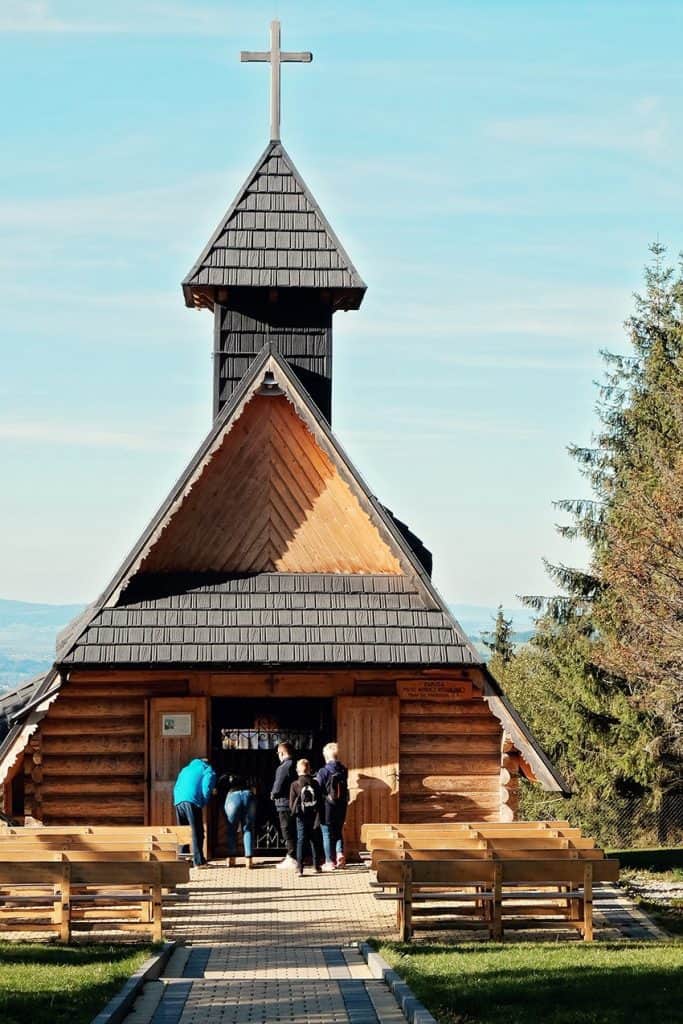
<point x="268" y="946"/>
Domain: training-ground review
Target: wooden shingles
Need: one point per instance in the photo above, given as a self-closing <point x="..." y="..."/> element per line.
<point x="270" y="500"/>
<point x="275" y="236"/>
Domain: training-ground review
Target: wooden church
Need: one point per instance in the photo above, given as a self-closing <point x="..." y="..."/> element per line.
<point x="272" y="596"/>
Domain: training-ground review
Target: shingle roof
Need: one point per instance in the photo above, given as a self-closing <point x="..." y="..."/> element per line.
<point x="12" y="701"/>
<point x="275" y="236"/>
<point x="350" y="617"/>
<point x="273" y="617"/>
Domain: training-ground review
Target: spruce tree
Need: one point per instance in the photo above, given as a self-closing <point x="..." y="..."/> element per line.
<point x="602" y="682"/>
<point x="499" y="640"/>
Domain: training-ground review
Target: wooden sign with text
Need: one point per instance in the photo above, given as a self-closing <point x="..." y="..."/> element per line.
<point x="435" y="689"/>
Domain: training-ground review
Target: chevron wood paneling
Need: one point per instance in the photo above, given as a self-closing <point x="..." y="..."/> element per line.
<point x="270" y="499"/>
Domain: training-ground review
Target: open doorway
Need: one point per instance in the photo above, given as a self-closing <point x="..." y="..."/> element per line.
<point x="245" y="733"/>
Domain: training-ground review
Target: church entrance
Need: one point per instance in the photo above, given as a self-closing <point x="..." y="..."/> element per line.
<point x="245" y="733"/>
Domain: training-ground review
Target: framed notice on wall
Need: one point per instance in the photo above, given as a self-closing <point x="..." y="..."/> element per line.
<point x="176" y="725"/>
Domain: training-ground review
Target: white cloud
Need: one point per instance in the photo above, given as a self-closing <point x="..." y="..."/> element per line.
<point x="643" y="129"/>
<point x="76" y="17"/>
<point x="86" y="436"/>
<point x="124" y="214"/>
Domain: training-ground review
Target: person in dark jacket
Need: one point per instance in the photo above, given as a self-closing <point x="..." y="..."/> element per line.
<point x="333" y="779"/>
<point x="193" y="789"/>
<point x="240" y="811"/>
<point x="284" y="777"/>
<point x="306" y="804"/>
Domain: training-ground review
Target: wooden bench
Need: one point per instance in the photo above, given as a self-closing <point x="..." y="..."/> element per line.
<point x="24" y="904"/>
<point x="44" y="895"/>
<point x="396" y="852"/>
<point x="440" y="892"/>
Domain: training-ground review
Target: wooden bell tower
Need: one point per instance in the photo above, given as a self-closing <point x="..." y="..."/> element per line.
<point x="274" y="271"/>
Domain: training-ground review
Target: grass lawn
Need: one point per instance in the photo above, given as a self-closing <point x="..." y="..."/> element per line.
<point x="545" y="983"/>
<point x="48" y="984"/>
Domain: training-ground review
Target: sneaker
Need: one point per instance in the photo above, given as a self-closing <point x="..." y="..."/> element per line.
<point x="341" y="861"/>
<point x="288" y="864"/>
<point x="328" y="866"/>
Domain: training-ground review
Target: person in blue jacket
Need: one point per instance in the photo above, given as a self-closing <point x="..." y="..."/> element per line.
<point x="193" y="789"/>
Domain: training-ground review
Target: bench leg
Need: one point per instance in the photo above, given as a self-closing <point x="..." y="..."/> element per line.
<point x="408" y="913"/>
<point x="588" y="904"/>
<point x="65" y="904"/>
<point x="497" y="911"/>
<point x="157" y="925"/>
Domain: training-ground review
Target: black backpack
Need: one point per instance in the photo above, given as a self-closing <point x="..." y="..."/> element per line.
<point x="308" y="801"/>
<point x="336" y="787"/>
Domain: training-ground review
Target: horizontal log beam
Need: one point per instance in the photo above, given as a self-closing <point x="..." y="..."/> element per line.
<point x="467" y="764"/>
<point x="130" y="725"/>
<point x="70" y="706"/>
<point x="80" y="765"/>
<point x="67" y="745"/>
<point x="440" y="709"/>
<point x="454" y="745"/>
<point x="486" y="725"/>
<point x="424" y="785"/>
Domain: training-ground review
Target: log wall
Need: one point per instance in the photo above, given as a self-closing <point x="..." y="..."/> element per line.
<point x="88" y="761"/>
<point x="450" y="761"/>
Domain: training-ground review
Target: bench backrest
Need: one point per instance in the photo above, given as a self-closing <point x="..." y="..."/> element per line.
<point x="23" y="853"/>
<point x="182" y="833"/>
<point x="451" y="842"/>
<point x="474" y="872"/>
<point x="146" y="873"/>
<point x="370" y="827"/>
<point x="384" y="853"/>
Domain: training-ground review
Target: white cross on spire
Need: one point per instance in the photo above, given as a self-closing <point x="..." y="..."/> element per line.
<point x="275" y="57"/>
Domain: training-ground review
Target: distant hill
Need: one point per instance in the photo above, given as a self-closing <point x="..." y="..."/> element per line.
<point x="27" y="638"/>
<point x="28" y="631"/>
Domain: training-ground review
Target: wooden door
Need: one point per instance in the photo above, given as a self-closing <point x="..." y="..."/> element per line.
<point x="178" y="732"/>
<point x="367" y="734"/>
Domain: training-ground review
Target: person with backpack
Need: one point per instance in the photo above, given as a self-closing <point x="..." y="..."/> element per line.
<point x="333" y="779"/>
<point x="305" y="802"/>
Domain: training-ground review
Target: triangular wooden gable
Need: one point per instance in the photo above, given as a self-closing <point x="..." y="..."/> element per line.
<point x="269" y="499"/>
<point x="270" y="490"/>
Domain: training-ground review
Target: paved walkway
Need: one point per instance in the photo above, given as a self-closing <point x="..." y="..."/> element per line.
<point x="268" y="946"/>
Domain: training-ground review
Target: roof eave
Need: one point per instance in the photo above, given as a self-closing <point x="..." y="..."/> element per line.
<point x="521" y="735"/>
<point x="206" y="296"/>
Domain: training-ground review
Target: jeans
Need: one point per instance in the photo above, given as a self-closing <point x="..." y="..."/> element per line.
<point x="287" y="829"/>
<point x="240" y="811"/>
<point x="189" y="814"/>
<point x="306" y="834"/>
<point x="332" y="830"/>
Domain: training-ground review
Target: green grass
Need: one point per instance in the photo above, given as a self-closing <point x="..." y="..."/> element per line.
<point x="49" y="984"/>
<point x="545" y="983"/>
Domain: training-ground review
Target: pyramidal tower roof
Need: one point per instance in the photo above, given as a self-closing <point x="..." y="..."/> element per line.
<point x="274" y="236"/>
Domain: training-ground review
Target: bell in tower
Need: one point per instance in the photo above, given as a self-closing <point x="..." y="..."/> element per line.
<point x="274" y="270"/>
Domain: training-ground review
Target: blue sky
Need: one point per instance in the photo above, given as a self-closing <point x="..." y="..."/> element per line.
<point x="495" y="170"/>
